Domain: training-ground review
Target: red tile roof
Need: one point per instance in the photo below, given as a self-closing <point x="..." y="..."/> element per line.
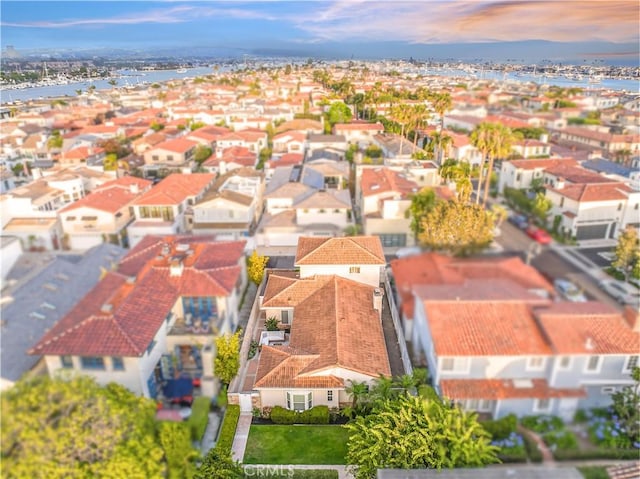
<point x="376" y="181"/>
<point x="175" y="189"/>
<point x="542" y="163"/>
<point x="112" y="196"/>
<point x="494" y="389"/>
<point x="352" y="250"/>
<point x="350" y="335"/>
<point x="588" y="328"/>
<point x="139" y="308"/>
<point x="178" y="145"/>
<point x="595" y="192"/>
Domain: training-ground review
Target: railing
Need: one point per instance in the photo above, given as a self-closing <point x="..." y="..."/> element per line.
<point x="404" y="354"/>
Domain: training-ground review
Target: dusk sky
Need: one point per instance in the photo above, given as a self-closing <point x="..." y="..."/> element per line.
<point x="592" y="28"/>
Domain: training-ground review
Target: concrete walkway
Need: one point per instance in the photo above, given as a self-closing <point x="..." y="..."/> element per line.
<point x="210" y="433"/>
<point x="242" y="434"/>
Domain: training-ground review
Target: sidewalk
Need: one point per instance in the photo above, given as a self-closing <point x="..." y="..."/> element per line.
<point x="242" y="434"/>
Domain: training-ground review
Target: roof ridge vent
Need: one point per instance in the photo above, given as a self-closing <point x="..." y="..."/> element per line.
<point x="106" y="308"/>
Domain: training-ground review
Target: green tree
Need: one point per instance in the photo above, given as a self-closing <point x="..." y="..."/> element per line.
<point x="194" y="125"/>
<point x="357" y="390"/>
<point x="627" y="253"/>
<point x="494" y="141"/>
<point x="256" y="264"/>
<point x="201" y="154"/>
<point x="338" y="112"/>
<point x="110" y="162"/>
<point x="55" y="140"/>
<point x="540" y="207"/>
<point x="441" y="103"/>
<point x="74" y="428"/>
<point x="218" y="464"/>
<point x="626" y="405"/>
<point x="175" y="438"/>
<point x="457" y="228"/>
<point x="227" y="361"/>
<point x="414" y="433"/>
<point x="421" y="204"/>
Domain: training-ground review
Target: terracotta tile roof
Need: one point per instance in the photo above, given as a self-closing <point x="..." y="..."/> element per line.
<point x="376" y="181"/>
<point x="112" y="196"/>
<point x="178" y="145"/>
<point x="282" y="368"/>
<point x="588" y="328"/>
<point x="576" y="174"/>
<point x="497" y="328"/>
<point x="175" y="189"/>
<point x="595" y="192"/>
<point x="341" y="250"/>
<point x="359" y="126"/>
<point x="349" y="336"/>
<point x="493" y="389"/>
<point x="286" y="160"/>
<point x="542" y="163"/>
<point x="138" y="308"/>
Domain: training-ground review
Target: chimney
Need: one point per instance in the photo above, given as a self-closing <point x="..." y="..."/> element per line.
<point x="175" y="268"/>
<point x="588" y="344"/>
<point x="106" y="308"/>
<point x="377" y="301"/>
<point x="134" y="188"/>
<point x="632" y="317"/>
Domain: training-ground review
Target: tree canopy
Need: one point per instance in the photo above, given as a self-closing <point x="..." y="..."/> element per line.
<point x="74" y="428"/>
<point x="256" y="264"/>
<point x="456" y="227"/>
<point x="421" y="204"/>
<point x="338" y="112"/>
<point x="627" y="254"/>
<point x="227" y="361"/>
<point x="414" y="433"/>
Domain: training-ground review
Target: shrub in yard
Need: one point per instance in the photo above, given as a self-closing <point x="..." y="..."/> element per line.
<point x="253" y="349"/>
<point x="608" y="432"/>
<point x="199" y="417"/>
<point x="501" y="428"/>
<point x="580" y="416"/>
<point x="280" y="415"/>
<point x="599" y="453"/>
<point x="221" y="399"/>
<point x="427" y="392"/>
<point x="512" y="448"/>
<point x="228" y="429"/>
<point x="315" y="415"/>
<point x="542" y="423"/>
<point x="560" y="440"/>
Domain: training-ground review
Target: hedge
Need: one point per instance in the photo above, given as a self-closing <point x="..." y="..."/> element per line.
<point x="598" y="453"/>
<point x="512" y="458"/>
<point x="532" y="448"/>
<point x="500" y="428"/>
<point x="315" y="415"/>
<point x="228" y="429"/>
<point x="199" y="417"/>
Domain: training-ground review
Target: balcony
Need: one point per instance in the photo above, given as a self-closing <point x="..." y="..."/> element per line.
<point x="189" y="325"/>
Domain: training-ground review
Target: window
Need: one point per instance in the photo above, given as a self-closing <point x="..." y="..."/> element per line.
<point x="632" y="362"/>
<point x="118" y="364"/>
<point x="593" y="364"/>
<point x="169" y="158"/>
<point x="329" y="396"/>
<point x="636" y="206"/>
<point x="284" y="317"/>
<point x="299" y="402"/>
<point x="67" y="362"/>
<point x="535" y="363"/>
<point x="155" y="158"/>
<point x="518" y="177"/>
<point x="472" y="404"/>
<point x="542" y="405"/>
<point x="71" y="218"/>
<point x="354" y="270"/>
<point x="608" y="390"/>
<point x="454" y="365"/>
<point x="564" y="363"/>
<point x="447" y="364"/>
<point x="92" y="362"/>
<point x="89" y="218"/>
<point x="561" y="202"/>
<point x="619" y="206"/>
<point x="393" y="240"/>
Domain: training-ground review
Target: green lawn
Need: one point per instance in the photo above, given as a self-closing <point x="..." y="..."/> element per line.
<point x="296" y="444"/>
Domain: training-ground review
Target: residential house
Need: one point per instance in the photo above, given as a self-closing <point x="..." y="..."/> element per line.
<point x="531" y="148"/>
<point x="231" y="158"/>
<point x="32" y="307"/>
<point x="254" y="140"/>
<point x="609" y="143"/>
<point x="331" y="323"/>
<point x="289" y="142"/>
<point x="359" y="132"/>
<point x="161" y="210"/>
<point x="170" y="155"/>
<point x="520" y="174"/>
<point x="156" y="316"/>
<point x="321" y="142"/>
<point x="335" y="173"/>
<point x="103" y="215"/>
<point x="385" y="196"/>
<point x="232" y="208"/>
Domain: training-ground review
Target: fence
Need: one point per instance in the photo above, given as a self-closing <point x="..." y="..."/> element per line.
<point x="404" y="354"/>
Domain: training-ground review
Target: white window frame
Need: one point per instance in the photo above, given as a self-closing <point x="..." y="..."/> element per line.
<point x="632" y="358"/>
<point x="598" y="366"/>
<point x="530" y="367"/>
<point x="329" y="395"/>
<point x="568" y="366"/>
<point x="307" y="401"/>
<point x="537" y="408"/>
<point x="461" y="365"/>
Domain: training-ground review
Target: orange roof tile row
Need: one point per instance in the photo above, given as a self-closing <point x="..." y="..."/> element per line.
<point x="494" y="389"/>
<point x="356" y="250"/>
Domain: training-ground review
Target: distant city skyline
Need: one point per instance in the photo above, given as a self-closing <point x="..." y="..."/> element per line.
<point x="523" y="31"/>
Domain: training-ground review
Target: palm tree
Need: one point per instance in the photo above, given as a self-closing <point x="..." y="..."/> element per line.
<point x="493" y="140"/>
<point x="441" y="103"/>
<point x="402" y="115"/>
<point x="383" y="388"/>
<point x="357" y="390"/>
<point x="407" y="383"/>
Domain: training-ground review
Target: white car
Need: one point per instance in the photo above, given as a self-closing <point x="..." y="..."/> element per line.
<point x="569" y="291"/>
<point x="624" y="293"/>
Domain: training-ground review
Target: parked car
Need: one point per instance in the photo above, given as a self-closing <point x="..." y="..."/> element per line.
<point x="519" y="221"/>
<point x="569" y="291"/>
<point x="539" y="235"/>
<point x="624" y="293"/>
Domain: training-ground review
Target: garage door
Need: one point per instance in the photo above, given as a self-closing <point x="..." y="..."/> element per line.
<point x="591" y="232"/>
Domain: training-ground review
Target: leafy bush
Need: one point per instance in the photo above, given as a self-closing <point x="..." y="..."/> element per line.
<point x="542" y="423"/>
<point x="512" y="447"/>
<point x="560" y="440"/>
<point x="420" y="376"/>
<point x="315" y="415"/>
<point x="599" y="453"/>
<point x="532" y="448"/>
<point x="580" y="416"/>
<point x="501" y="428"/>
<point x="253" y="349"/>
<point x="271" y="324"/>
<point x="228" y="429"/>
<point x="608" y="432"/>
<point x="199" y="417"/>
<point x="280" y="415"/>
<point x="221" y="399"/>
<point x="427" y="392"/>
